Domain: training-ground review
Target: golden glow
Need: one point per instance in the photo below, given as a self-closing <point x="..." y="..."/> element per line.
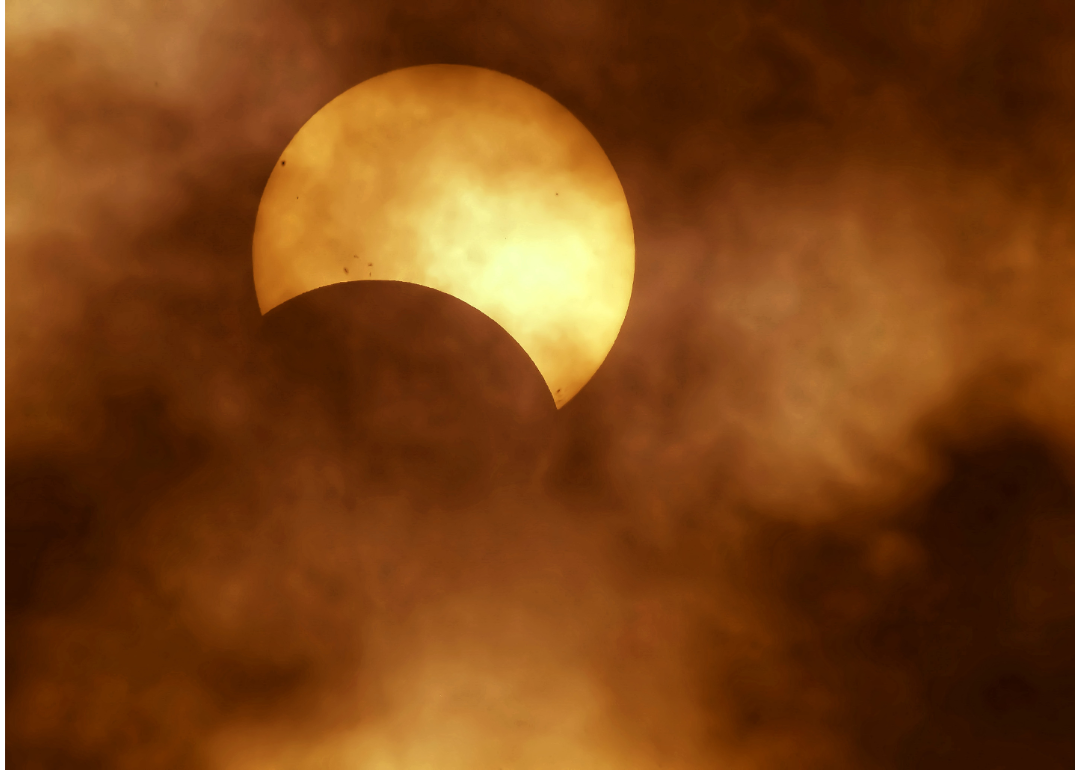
<point x="466" y="181"/>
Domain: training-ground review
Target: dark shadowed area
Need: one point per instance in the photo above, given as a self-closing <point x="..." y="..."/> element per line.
<point x="814" y="511"/>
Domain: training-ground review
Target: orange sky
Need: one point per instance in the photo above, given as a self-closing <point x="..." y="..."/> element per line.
<point x="814" y="510"/>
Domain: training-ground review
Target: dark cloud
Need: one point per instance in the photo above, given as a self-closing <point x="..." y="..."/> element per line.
<point x="814" y="511"/>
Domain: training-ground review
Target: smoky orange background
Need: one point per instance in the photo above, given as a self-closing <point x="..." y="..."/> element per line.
<point x="814" y="511"/>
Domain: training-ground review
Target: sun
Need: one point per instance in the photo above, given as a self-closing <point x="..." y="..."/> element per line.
<point x="466" y="181"/>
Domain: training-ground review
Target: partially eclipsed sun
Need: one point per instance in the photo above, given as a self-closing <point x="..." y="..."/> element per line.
<point x="466" y="181"/>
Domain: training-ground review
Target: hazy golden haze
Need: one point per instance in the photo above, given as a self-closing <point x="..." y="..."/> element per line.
<point x="811" y="512"/>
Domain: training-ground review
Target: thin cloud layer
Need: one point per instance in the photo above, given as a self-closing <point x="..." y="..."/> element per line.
<point x="813" y="510"/>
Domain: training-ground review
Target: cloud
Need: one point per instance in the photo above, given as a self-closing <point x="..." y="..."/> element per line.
<point x="808" y="513"/>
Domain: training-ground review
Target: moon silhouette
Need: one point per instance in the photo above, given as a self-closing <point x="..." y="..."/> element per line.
<point x="466" y="181"/>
